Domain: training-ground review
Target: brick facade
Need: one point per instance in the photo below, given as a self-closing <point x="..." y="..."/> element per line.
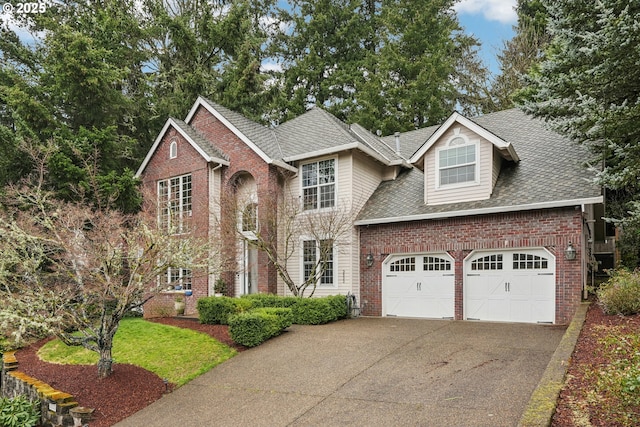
<point x="552" y="229"/>
<point x="243" y="161"/>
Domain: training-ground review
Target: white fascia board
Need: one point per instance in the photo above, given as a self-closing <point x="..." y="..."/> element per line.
<point x="285" y="165"/>
<point x="153" y="148"/>
<point x="479" y="130"/>
<point x="172" y="123"/>
<point x="336" y="149"/>
<point x="202" y="102"/>
<point x="483" y="211"/>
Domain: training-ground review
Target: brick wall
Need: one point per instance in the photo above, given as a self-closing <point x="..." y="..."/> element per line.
<point x="552" y="229"/>
<point x="243" y="161"/>
<point x="188" y="161"/>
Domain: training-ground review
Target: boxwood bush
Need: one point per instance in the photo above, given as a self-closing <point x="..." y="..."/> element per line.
<point x="621" y="293"/>
<point x="270" y="300"/>
<point x="306" y="311"/>
<point x="254" y="327"/>
<point x="216" y="310"/>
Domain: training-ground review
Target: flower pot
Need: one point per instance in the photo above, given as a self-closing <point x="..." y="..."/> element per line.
<point x="179" y="306"/>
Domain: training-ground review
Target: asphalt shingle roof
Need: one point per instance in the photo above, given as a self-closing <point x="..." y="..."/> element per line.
<point x="550" y="169"/>
<point x="317" y="130"/>
<point x="262" y="136"/>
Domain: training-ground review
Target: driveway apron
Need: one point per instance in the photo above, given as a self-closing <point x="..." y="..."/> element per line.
<point x="369" y="372"/>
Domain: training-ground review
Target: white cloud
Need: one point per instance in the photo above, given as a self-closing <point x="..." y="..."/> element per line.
<point x="493" y="10"/>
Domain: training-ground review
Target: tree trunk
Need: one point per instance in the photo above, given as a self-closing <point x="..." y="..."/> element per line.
<point x="105" y="363"/>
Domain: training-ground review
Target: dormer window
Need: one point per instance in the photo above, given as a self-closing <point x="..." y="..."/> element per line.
<point x="457" y="162"/>
<point x="173" y="149"/>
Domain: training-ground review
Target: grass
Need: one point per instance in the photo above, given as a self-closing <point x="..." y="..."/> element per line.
<point x="176" y="354"/>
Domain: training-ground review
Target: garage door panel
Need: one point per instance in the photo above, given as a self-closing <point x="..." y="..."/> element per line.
<point x="515" y="286"/>
<point x="418" y="285"/>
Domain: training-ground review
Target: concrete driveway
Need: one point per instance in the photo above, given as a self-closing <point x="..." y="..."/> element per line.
<point x="369" y="372"/>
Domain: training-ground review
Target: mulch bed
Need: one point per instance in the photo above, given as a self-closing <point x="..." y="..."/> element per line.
<point x="572" y="410"/>
<point x="128" y="390"/>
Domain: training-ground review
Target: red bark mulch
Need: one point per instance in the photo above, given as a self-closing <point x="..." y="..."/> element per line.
<point x="128" y="390"/>
<point x="572" y="410"/>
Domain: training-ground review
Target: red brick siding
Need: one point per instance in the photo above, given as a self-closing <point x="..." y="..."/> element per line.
<point x="188" y="161"/>
<point x="549" y="228"/>
<point x="243" y="159"/>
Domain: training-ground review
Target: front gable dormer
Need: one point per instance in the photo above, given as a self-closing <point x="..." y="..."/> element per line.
<point x="461" y="162"/>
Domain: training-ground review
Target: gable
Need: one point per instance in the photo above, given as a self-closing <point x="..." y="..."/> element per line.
<point x="459" y="167"/>
<point x="457" y="120"/>
<point x="193" y="138"/>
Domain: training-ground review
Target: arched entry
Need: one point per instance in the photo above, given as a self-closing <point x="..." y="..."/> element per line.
<point x="247" y="223"/>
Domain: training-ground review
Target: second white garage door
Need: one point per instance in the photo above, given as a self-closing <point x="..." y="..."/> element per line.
<point x="418" y="285"/>
<point x="511" y="286"/>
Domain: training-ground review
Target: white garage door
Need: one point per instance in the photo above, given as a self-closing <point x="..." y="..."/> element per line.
<point x="511" y="286"/>
<point x="418" y="285"/>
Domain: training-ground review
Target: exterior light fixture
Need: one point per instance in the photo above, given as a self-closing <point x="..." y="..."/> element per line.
<point x="369" y="259"/>
<point x="570" y="252"/>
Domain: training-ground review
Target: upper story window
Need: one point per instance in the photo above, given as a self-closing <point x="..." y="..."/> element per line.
<point x="173" y="149"/>
<point x="175" y="204"/>
<point x="318" y="184"/>
<point x="457" y="162"/>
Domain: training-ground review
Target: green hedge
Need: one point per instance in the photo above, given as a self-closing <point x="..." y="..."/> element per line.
<point x="270" y="300"/>
<point x="254" y="327"/>
<point x="216" y="310"/>
<point x="306" y="311"/>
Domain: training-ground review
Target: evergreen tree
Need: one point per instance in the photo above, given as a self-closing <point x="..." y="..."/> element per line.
<point x="519" y="55"/>
<point x="587" y="89"/>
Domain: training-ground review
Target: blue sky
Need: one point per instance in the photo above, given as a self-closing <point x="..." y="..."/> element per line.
<point x="491" y="21"/>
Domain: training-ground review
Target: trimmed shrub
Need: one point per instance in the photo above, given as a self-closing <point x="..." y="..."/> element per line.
<point x="285" y="316"/>
<point x="216" y="310"/>
<point x="254" y="327"/>
<point x="312" y="311"/>
<point x="19" y="412"/>
<point x="270" y="300"/>
<point x="338" y="305"/>
<point x="621" y="293"/>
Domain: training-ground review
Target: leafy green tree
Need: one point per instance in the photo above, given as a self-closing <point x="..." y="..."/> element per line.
<point x="323" y="51"/>
<point x="587" y="89"/>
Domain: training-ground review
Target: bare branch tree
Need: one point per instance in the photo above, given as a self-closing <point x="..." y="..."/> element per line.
<point x="69" y="267"/>
<point x="282" y="225"/>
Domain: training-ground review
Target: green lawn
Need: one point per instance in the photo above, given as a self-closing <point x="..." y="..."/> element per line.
<point x="173" y="353"/>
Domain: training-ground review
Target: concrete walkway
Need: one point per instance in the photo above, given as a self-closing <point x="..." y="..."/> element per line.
<point x="369" y="371"/>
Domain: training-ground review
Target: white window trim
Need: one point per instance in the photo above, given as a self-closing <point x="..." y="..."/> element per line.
<point x="173" y="149"/>
<point x="183" y="214"/>
<point x="476" y="180"/>
<point x="334" y="284"/>
<point x="335" y="186"/>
